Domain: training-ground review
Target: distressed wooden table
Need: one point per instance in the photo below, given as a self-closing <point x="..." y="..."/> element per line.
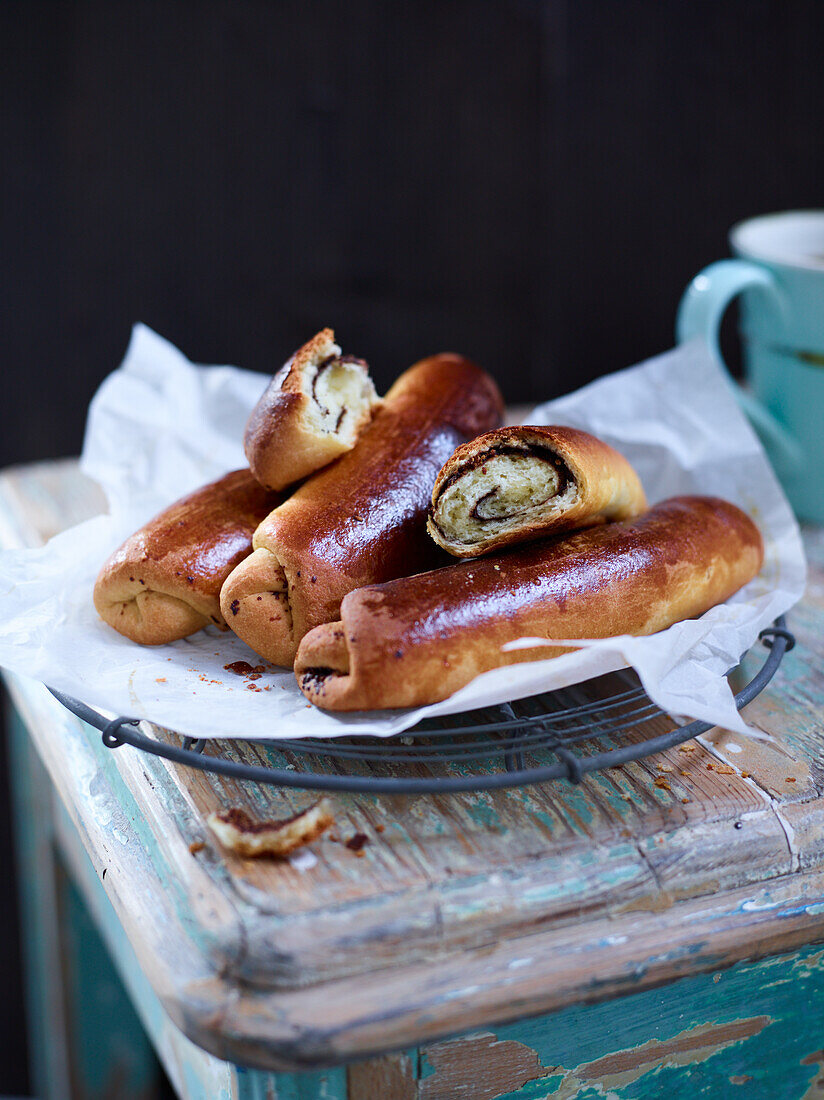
<point x="651" y="930"/>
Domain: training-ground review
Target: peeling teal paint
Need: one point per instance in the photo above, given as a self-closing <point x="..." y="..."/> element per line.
<point x="425" y="1067"/>
<point x="194" y="1085"/>
<point x="789" y="989"/>
<point x="542" y="816"/>
<point x="543" y="1088"/>
<point x="323" y="1085"/>
<point x="111" y="1049"/>
<point x="484" y="814"/>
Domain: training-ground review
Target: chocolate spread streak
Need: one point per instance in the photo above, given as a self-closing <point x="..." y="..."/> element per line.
<point x="324" y="365"/>
<point x="473" y="511"/>
<point x="314" y="679"/>
<point x="542" y="453"/>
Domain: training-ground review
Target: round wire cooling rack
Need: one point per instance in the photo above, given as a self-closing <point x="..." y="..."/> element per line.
<point x="557" y="735"/>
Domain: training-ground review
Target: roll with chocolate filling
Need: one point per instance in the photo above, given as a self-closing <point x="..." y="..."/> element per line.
<point x="311" y="413"/>
<point x="363" y="519"/>
<point x="164" y="582"/>
<point x="522" y="483"/>
<point x="418" y="640"/>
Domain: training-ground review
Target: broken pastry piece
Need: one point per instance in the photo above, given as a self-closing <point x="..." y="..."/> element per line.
<point x="361" y="520"/>
<point x="416" y="641"/>
<point x="164" y="582"/>
<point x="239" y="832"/>
<point x="311" y="412"/>
<point x="522" y="483"/>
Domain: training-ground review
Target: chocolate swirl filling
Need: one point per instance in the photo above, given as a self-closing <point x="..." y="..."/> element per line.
<point x="329" y="361"/>
<point x="479" y="512"/>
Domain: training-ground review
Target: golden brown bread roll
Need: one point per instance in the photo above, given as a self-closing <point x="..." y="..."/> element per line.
<point x="418" y="640"/>
<point x="522" y="483"/>
<point x="363" y="519"/>
<point x="311" y="412"/>
<point x="164" y="582"/>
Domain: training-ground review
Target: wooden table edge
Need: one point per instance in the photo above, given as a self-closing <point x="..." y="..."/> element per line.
<point x="376" y="1012"/>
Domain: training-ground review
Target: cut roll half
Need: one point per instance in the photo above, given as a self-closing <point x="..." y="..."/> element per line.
<point x="312" y="412"/>
<point x="521" y="483"/>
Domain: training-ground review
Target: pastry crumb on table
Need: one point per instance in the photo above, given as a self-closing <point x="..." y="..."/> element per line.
<point x="239" y="832"/>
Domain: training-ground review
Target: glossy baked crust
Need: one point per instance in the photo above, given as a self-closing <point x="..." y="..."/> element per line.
<point x="522" y="483"/>
<point x="363" y="519"/>
<point x="310" y="413"/>
<point x="418" y="640"/>
<point x="164" y="582"/>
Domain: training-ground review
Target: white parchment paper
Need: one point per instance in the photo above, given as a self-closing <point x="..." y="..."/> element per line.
<point x="160" y="426"/>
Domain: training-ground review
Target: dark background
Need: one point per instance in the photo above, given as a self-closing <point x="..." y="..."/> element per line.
<point x="531" y="183"/>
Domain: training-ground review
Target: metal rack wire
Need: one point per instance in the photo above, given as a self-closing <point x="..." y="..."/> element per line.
<point x="561" y="734"/>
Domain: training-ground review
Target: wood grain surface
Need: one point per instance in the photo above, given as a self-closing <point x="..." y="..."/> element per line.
<point x="460" y="911"/>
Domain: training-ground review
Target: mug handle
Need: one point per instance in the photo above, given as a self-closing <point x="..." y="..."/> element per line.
<point x="699" y="314"/>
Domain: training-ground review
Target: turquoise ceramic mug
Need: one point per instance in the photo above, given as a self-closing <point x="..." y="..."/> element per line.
<point x="779" y="275"/>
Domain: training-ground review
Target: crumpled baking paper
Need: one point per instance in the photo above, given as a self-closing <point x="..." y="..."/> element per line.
<point x="160" y="426"/>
